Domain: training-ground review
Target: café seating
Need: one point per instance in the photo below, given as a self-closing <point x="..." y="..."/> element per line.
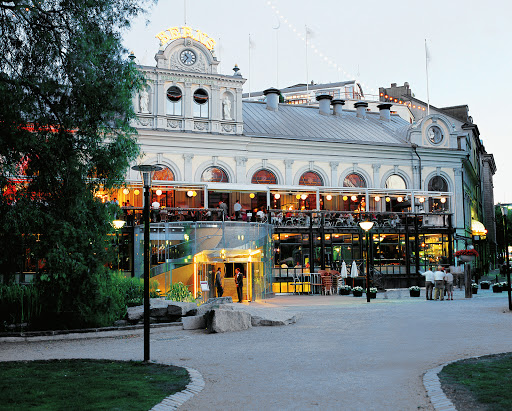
<point x="326" y="284"/>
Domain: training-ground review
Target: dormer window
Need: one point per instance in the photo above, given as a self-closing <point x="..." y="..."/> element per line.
<point x="201" y="106"/>
<point x="174" y="96"/>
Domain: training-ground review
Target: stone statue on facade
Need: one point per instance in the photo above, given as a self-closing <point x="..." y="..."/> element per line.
<point x="226" y="106"/>
<point x="144" y="101"/>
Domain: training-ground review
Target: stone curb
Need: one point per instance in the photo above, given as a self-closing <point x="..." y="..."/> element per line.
<point x="78" y="334"/>
<point x="432" y="384"/>
<point x="172" y="402"/>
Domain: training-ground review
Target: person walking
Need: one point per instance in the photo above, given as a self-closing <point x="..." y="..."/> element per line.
<point x="429" y="283"/>
<point x="218" y="283"/>
<point x="239" y="281"/>
<point x="448" y="277"/>
<point x="439" y="283"/>
<point x="236" y="208"/>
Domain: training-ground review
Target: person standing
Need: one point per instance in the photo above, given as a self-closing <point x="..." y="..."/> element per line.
<point x="429" y="283"/>
<point x="224" y="207"/>
<point x="237" y="208"/>
<point x="448" y="277"/>
<point x="239" y="281"/>
<point x="218" y="283"/>
<point x="439" y="283"/>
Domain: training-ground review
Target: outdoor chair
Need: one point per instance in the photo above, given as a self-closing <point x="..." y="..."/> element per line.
<point x="327" y="284"/>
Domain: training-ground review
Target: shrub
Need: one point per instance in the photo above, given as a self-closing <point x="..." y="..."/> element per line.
<point x="180" y="292"/>
<point x="19" y="303"/>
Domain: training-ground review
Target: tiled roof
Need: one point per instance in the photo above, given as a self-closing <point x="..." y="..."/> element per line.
<point x="306" y="123"/>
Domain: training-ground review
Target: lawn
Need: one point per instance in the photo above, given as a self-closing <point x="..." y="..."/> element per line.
<point x="87" y="384"/>
<point x="488" y="380"/>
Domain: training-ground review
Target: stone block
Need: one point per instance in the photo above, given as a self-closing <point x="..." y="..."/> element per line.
<point x="221" y="321"/>
<point x="195" y="322"/>
<point x="178" y="308"/>
<point x="135" y="313"/>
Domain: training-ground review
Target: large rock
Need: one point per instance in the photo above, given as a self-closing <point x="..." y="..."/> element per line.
<point x="264" y="316"/>
<point x="213" y="303"/>
<point x="158" y="307"/>
<point x="135" y="313"/>
<point x="221" y="320"/>
<point x="195" y="322"/>
<point x="178" y="308"/>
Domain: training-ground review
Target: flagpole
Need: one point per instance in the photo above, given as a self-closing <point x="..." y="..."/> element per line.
<point x="277" y="51"/>
<point x="249" y="65"/>
<point x="185" y="11"/>
<point x="426" y="69"/>
<point x="307" y="73"/>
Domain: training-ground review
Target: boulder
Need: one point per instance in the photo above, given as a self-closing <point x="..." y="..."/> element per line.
<point x="158" y="307"/>
<point x="135" y="313"/>
<point x="213" y="303"/>
<point x="178" y="308"/>
<point x="194" y="322"/>
<point x="221" y="321"/>
<point x="264" y="316"/>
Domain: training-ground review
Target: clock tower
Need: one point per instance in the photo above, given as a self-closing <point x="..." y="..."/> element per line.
<point x="185" y="91"/>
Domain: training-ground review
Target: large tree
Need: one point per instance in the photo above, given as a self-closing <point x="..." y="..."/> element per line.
<point x="66" y="131"/>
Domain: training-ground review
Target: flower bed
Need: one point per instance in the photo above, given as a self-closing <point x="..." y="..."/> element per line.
<point x="357" y="291"/>
<point x="414" y="291"/>
<point x="485" y="285"/>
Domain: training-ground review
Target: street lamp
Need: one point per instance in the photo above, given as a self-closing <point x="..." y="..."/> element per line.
<point x="146" y="172"/>
<point x="367" y="226"/>
<point x="503" y="209"/>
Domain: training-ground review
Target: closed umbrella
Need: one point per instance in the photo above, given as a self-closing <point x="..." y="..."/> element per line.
<point x="353" y="270"/>
<point x="343" y="270"/>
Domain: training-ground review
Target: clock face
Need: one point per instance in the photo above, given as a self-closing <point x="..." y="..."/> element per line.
<point x="435" y="134"/>
<point x="188" y="57"/>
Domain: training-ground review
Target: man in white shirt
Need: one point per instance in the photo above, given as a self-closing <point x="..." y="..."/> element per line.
<point x="439" y="283"/>
<point x="236" y="208"/>
<point x="429" y="282"/>
<point x="449" y="285"/>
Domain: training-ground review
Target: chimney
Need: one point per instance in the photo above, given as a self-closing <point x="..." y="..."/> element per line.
<point x="361" y="108"/>
<point x="337" y="107"/>
<point x="272" y="98"/>
<point x="385" y="114"/>
<point x="324" y="101"/>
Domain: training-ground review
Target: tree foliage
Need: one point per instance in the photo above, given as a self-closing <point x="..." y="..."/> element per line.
<point x="65" y="131"/>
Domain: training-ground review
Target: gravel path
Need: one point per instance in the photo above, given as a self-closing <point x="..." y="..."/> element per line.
<point x="342" y="354"/>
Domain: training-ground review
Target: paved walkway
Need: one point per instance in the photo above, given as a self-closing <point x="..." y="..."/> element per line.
<point x="342" y="354"/>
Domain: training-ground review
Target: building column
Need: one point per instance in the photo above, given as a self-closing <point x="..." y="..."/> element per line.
<point x="334" y="173"/>
<point x="457" y="206"/>
<point x="187" y="167"/>
<point x="240" y="169"/>
<point x="376" y="175"/>
<point x="288" y="172"/>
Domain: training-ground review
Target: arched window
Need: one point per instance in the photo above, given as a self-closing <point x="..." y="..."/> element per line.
<point x="354" y="180"/>
<point x="164" y="175"/>
<point x="174" y="98"/>
<point x="395" y="182"/>
<point x="438" y="183"/>
<point x="214" y="175"/>
<point x="201" y="105"/>
<point x="310" y="178"/>
<point x="263" y="177"/>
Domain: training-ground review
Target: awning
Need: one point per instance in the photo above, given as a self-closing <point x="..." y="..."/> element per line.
<point x="477" y="228"/>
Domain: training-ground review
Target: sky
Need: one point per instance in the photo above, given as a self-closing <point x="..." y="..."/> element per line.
<point x="373" y="41"/>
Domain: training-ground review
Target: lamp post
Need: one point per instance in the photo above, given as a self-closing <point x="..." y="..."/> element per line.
<point x="503" y="209"/>
<point x="118" y="224"/>
<point x="367" y="226"/>
<point x="146" y="172"/>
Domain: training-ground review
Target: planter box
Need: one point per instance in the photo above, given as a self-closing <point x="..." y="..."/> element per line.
<point x="467" y="258"/>
<point x="373" y="295"/>
<point x="496" y="289"/>
<point x="414" y="293"/>
<point x="485" y="286"/>
<point x="474" y="290"/>
<point x="504" y="287"/>
<point x="357" y="293"/>
<point x="344" y="292"/>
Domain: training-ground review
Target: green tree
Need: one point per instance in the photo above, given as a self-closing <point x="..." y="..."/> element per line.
<point x="66" y="131"/>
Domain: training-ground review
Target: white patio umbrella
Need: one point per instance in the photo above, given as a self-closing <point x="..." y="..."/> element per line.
<point x="343" y="270"/>
<point x="353" y="270"/>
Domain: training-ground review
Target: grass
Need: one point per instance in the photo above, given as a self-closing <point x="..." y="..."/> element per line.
<point x="488" y="379"/>
<point x="87" y="384"/>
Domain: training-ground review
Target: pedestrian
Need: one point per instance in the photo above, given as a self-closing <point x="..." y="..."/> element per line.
<point x="236" y="208"/>
<point x="218" y="283"/>
<point x="439" y="283"/>
<point x="224" y="209"/>
<point x="448" y="277"/>
<point x="239" y="281"/>
<point x="429" y="282"/>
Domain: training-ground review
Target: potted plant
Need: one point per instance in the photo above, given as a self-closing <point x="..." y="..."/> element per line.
<point x="496" y="288"/>
<point x="504" y="286"/>
<point x="373" y="292"/>
<point x="485" y="285"/>
<point x="466" y="256"/>
<point x="474" y="288"/>
<point x="345" y="290"/>
<point x="357" y="291"/>
<point x="414" y="291"/>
